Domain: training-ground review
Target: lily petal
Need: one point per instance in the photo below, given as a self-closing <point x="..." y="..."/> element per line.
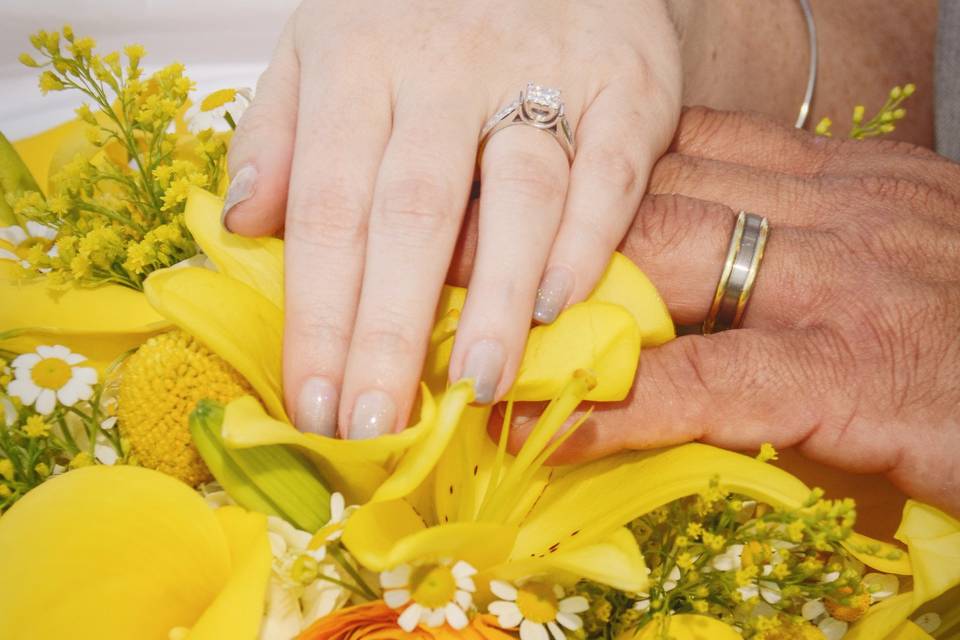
<point x="686" y="626"/>
<point x="238" y="607"/>
<point x="231" y="319"/>
<point x="598" y="337"/>
<point x="623" y="283"/>
<point x="102" y="323"/>
<point x="256" y="262"/>
<point x="383" y="535"/>
<point x="140" y="540"/>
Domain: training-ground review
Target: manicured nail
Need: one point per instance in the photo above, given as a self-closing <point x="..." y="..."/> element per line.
<point x="374" y="414"/>
<point x="317" y="407"/>
<point x="553" y="294"/>
<point x="242" y="186"/>
<point x="484" y="364"/>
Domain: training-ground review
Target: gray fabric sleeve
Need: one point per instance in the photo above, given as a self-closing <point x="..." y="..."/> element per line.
<point x="947" y="81"/>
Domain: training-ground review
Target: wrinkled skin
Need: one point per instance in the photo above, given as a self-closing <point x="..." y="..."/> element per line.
<point x="850" y="349"/>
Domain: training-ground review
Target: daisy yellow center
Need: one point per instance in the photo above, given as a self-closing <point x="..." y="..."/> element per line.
<point x="537" y="603"/>
<point x="218" y="99"/>
<point x="159" y="388"/>
<point x="51" y="373"/>
<point x="433" y="586"/>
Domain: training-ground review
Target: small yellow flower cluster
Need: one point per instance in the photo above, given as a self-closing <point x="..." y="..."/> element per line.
<point x="882" y="123"/>
<point x="160" y="387"/>
<point x="118" y="206"/>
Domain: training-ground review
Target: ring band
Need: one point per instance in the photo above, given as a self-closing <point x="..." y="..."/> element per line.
<point x="539" y="107"/>
<point x="739" y="273"/>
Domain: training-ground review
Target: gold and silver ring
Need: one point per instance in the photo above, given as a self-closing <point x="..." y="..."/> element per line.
<point x="739" y="273"/>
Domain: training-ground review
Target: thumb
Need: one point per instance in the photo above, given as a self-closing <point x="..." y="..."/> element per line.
<point x="735" y="389"/>
<point x="262" y="148"/>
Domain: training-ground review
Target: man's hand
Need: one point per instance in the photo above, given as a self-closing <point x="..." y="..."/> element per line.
<point x="850" y="348"/>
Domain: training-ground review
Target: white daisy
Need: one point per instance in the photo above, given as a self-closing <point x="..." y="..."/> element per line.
<point x="730" y="559"/>
<point x="51" y="375"/>
<point x="540" y="610"/>
<point x="766" y="589"/>
<point x="339" y="513"/>
<point x="643" y="604"/>
<point x="23" y="238"/>
<point x="816" y="612"/>
<point x="433" y="594"/>
<point x="211" y="112"/>
<point x="881" y="586"/>
<point x="301" y="589"/>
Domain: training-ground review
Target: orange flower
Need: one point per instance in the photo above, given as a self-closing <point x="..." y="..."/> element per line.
<point x="377" y="621"/>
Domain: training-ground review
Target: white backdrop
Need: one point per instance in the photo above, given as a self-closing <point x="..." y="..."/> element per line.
<point x="224" y="43"/>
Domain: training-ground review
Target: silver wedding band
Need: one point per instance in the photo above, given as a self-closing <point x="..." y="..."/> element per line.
<point x="739" y="273"/>
<point x="539" y="107"/>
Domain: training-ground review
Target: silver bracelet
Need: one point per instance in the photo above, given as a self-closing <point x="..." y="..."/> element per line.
<point x="812" y="73"/>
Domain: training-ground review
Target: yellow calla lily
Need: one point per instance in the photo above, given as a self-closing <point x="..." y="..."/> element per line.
<point x="101" y="323"/>
<point x="48" y="150"/>
<point x="124" y="552"/>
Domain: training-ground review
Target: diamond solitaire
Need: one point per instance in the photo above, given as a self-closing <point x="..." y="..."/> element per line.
<point x="541" y="104"/>
<point x="538" y="106"/>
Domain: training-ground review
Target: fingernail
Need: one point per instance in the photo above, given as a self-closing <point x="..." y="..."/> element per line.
<point x="317" y="407"/>
<point x="241" y="188"/>
<point x="484" y="364"/>
<point x="553" y="294"/>
<point x="374" y="414"/>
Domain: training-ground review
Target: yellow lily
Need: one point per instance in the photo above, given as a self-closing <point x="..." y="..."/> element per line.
<point x="112" y="553"/>
<point x="441" y="488"/>
<point x="101" y="323"/>
<point x="596" y="336"/>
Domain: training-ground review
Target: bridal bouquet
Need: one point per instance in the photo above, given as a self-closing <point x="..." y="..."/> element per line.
<point x="152" y="486"/>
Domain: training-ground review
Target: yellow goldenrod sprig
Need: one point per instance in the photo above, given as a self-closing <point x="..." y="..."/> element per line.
<point x="118" y="208"/>
<point x="880" y="124"/>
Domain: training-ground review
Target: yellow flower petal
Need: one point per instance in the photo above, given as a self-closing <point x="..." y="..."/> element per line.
<point x="231" y="319"/>
<point x="48" y="150"/>
<point x="615" y="561"/>
<point x="908" y="631"/>
<point x="256" y="262"/>
<point x="14" y="178"/>
<point x="626" y="285"/>
<point x="596" y="337"/>
<point x="382" y="535"/>
<point x="131" y="537"/>
<point x="238" y="608"/>
<point x="591" y="499"/>
<point x="933" y="539"/>
<point x="421" y="458"/>
<point x="102" y="323"/>
<point x="355" y="467"/>
<point x="686" y="626"/>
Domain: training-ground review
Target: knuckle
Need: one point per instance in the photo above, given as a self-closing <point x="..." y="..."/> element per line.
<point x="658" y="230"/>
<point x="527" y="175"/>
<point x="389" y="340"/>
<point x="614" y="166"/>
<point x="416" y="208"/>
<point x="326" y="217"/>
<point x="671" y="173"/>
<point x="313" y="327"/>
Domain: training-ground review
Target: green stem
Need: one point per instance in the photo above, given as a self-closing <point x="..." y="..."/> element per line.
<point x="337" y="555"/>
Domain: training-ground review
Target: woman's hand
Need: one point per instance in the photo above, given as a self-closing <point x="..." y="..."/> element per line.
<point x="361" y="144"/>
<point x="850" y="349"/>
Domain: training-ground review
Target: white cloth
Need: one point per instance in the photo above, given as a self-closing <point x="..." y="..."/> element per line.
<point x="223" y="43"/>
